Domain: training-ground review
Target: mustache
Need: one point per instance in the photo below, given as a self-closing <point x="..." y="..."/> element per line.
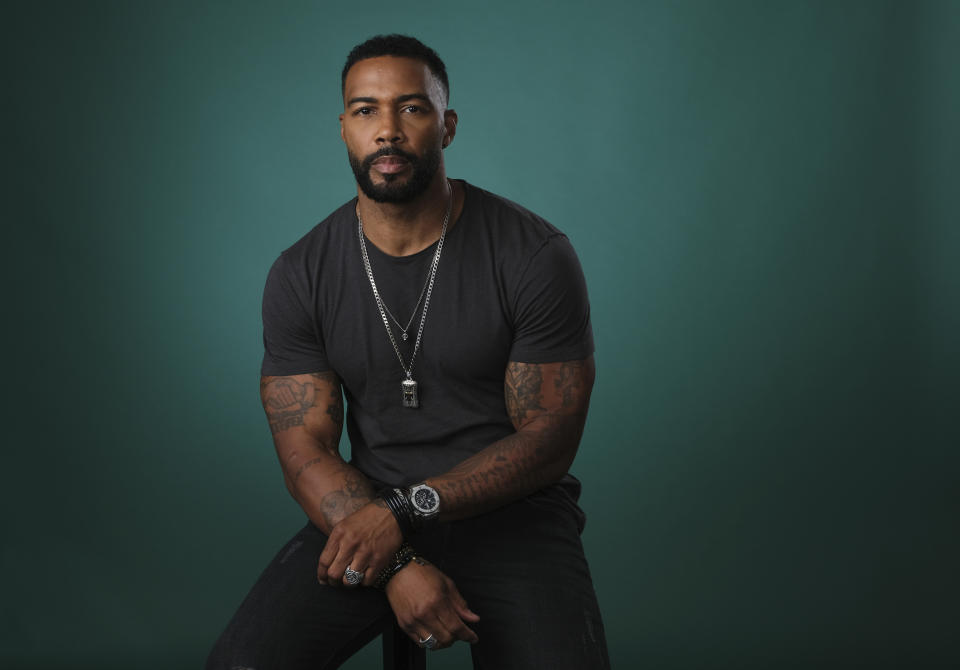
<point x="389" y="151"/>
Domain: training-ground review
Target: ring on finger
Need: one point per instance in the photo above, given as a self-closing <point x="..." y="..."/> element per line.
<point x="352" y="577"/>
<point x="429" y="642"/>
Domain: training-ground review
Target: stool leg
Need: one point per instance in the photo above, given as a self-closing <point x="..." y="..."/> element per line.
<point x="400" y="652"/>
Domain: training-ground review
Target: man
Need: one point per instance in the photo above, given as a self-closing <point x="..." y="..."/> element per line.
<point x="457" y="325"/>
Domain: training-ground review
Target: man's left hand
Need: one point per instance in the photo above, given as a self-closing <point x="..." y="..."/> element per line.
<point x="365" y="542"/>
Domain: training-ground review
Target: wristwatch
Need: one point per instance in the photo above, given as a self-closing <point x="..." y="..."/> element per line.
<point x="425" y="503"/>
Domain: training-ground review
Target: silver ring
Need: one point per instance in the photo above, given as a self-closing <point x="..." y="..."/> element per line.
<point x="429" y="642"/>
<point x="352" y="577"/>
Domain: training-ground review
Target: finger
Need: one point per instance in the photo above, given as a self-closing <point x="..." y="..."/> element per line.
<point x="329" y="552"/>
<point x="456" y="628"/>
<point x="325" y="562"/>
<point x="322" y="574"/>
<point x="374" y="568"/>
<point x="460" y="605"/>
<point x="323" y="565"/>
<point x="419" y="633"/>
<point x="326" y="570"/>
<point x="336" y="556"/>
<point x="424" y="641"/>
<point x="446" y="627"/>
<point x="429" y="625"/>
<point x="431" y="641"/>
<point x="354" y="577"/>
<point x="360" y="563"/>
<point x="338" y="567"/>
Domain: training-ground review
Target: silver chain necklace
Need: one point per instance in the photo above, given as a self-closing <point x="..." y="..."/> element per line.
<point x="404" y="329"/>
<point x="408" y="386"/>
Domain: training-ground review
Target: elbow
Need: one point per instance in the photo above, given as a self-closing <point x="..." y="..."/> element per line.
<point x="561" y="442"/>
<point x="561" y="465"/>
<point x="291" y="489"/>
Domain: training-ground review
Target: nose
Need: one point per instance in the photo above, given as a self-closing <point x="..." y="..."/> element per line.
<point x="390" y="131"/>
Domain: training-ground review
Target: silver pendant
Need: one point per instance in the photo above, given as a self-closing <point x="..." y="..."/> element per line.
<point x="403" y="335"/>
<point x="410" y="398"/>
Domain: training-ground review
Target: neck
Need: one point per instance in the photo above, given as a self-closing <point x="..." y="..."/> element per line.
<point x="402" y="229"/>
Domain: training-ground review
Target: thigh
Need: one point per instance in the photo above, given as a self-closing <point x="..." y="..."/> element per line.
<point x="522" y="570"/>
<point x="289" y="621"/>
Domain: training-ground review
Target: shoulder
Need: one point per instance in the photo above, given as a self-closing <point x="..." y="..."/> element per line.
<point x="296" y="275"/>
<point x="328" y="236"/>
<point x="506" y="217"/>
<point x="517" y="236"/>
<point x="321" y="250"/>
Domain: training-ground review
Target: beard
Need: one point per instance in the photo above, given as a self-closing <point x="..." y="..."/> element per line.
<point x="394" y="189"/>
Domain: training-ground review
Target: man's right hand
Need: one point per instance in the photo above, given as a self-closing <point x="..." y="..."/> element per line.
<point x="365" y="540"/>
<point x="427" y="602"/>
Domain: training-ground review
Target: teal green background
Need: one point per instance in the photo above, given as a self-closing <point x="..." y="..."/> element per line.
<point x="764" y="197"/>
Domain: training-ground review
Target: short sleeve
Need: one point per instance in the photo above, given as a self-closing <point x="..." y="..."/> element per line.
<point x="551" y="308"/>
<point x="291" y="344"/>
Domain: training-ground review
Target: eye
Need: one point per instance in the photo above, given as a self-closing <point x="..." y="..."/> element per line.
<point x="363" y="111"/>
<point x="413" y="109"/>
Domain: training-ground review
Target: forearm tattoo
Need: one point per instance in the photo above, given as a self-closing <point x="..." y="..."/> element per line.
<point x="513" y="466"/>
<point x="549" y="419"/>
<point x="303" y="468"/>
<point x="356" y="492"/>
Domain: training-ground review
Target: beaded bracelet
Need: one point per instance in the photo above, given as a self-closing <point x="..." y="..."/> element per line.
<point x="403" y="556"/>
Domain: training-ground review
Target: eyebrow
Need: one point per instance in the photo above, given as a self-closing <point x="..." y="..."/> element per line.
<point x="400" y="98"/>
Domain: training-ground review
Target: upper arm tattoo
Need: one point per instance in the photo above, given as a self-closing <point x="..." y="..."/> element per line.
<point x="569" y="383"/>
<point x="335" y="404"/>
<point x="523" y="385"/>
<point x="287" y="400"/>
<point x="532" y="389"/>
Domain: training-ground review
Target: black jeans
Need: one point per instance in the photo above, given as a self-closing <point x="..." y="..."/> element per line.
<point x="521" y="568"/>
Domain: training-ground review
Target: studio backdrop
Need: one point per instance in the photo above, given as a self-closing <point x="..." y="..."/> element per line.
<point x="764" y="199"/>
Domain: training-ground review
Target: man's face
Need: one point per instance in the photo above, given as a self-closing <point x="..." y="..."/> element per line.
<point x="395" y="125"/>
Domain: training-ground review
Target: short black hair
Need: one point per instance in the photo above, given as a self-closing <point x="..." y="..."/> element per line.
<point x="400" y="46"/>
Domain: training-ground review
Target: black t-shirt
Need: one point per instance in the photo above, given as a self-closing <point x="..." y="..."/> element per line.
<point x="508" y="288"/>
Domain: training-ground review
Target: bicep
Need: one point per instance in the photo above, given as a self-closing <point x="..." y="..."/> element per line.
<point x="536" y="390"/>
<point x="551" y="310"/>
<point x="303" y="406"/>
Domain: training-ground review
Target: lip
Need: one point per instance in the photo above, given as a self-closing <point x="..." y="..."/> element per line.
<point x="390" y="164"/>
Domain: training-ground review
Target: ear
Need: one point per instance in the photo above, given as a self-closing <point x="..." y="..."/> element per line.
<point x="341" y="128"/>
<point x="450" y="120"/>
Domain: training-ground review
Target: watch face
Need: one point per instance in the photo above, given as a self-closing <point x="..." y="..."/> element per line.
<point x="425" y="499"/>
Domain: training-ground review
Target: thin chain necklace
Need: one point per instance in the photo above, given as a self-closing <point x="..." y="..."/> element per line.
<point x="404" y="329"/>
<point x="408" y="386"/>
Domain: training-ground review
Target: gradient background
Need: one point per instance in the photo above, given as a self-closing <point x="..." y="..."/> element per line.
<point x="764" y="196"/>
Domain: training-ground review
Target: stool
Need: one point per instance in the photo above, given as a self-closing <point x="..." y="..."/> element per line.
<point x="400" y="652"/>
